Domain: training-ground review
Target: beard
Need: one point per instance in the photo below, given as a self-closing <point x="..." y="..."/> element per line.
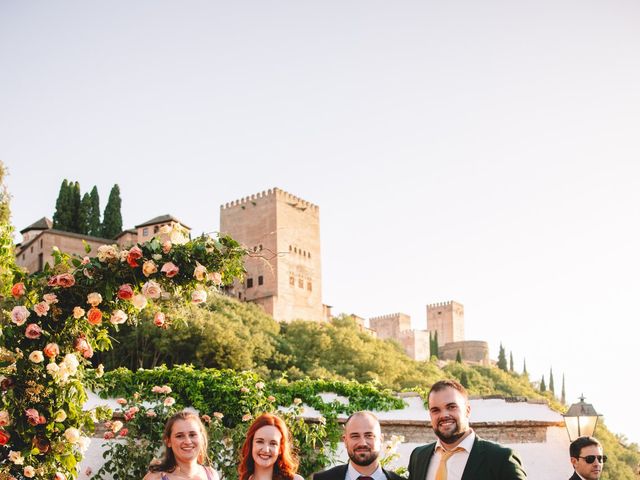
<point x="363" y="457"/>
<point x="450" y="437"/>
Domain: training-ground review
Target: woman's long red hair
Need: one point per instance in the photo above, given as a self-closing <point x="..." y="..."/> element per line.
<point x="287" y="464"/>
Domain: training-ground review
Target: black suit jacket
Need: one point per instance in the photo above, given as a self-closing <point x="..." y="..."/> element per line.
<point x="487" y="461"/>
<point x="340" y="472"/>
<point x="575" y="476"/>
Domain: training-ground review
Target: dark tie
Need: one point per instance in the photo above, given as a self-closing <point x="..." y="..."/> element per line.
<point x="365" y="477"/>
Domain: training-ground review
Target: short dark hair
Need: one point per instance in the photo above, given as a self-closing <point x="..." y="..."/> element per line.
<point x="579" y="443"/>
<point x="443" y="384"/>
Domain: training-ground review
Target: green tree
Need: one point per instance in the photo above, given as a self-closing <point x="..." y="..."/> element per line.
<point x="83" y="214"/>
<point x="76" y="202"/>
<point x="511" y="369"/>
<point x="62" y="217"/>
<point x="112" y="218"/>
<point x="524" y="368"/>
<point x="464" y="379"/>
<point x="433" y="344"/>
<point x="551" y="386"/>
<point x="93" y="214"/>
<point x="563" y="395"/>
<point x="7" y="258"/>
<point x="458" y="357"/>
<point x="502" y="359"/>
<point x="543" y="385"/>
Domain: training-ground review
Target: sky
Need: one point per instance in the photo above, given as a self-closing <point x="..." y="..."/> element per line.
<point x="483" y="152"/>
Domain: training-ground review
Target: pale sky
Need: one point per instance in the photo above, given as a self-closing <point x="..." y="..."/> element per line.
<point x="483" y="152"/>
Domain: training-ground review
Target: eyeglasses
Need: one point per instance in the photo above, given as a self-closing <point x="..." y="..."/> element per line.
<point x="592" y="458"/>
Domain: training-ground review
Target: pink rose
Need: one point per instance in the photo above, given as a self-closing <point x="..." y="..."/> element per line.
<point x="170" y="269"/>
<point x="215" y="278"/>
<point x="52" y="350"/>
<point x="118" y="317"/>
<point x="85" y="260"/>
<point x="33" y="417"/>
<point x="125" y="292"/>
<point x="59" y="476"/>
<point x="159" y="319"/>
<point x="109" y="435"/>
<point x="19" y="315"/>
<point x="33" y="331"/>
<point x="121" y="401"/>
<point x="151" y="414"/>
<point x="169" y="401"/>
<point x="166" y="246"/>
<point x="199" y="296"/>
<point x="151" y="289"/>
<point x="50" y="298"/>
<point x="82" y="345"/>
<point x="41" y="308"/>
<point x="123" y="432"/>
<point x="18" y="290"/>
<point x="64" y="280"/>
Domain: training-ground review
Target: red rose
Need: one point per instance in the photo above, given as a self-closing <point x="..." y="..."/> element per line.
<point x="94" y="316"/>
<point x="125" y="292"/>
<point x="82" y="345"/>
<point x="159" y="319"/>
<point x="123" y="432"/>
<point x="18" y="290"/>
<point x="134" y="254"/>
<point x="4" y="437"/>
<point x="33" y="331"/>
<point x="108" y="435"/>
<point x="51" y="350"/>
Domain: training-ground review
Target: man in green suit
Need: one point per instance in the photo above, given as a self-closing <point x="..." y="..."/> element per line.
<point x="458" y="453"/>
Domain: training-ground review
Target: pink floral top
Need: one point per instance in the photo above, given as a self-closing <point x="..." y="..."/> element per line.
<point x="210" y="476"/>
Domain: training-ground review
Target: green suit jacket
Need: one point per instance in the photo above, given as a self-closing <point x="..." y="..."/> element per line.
<point x="487" y="461"/>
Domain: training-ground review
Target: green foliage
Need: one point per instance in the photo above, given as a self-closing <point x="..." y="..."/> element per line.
<point x="458" y="357"/>
<point x="511" y="369"/>
<point x="563" y="395"/>
<point x="112" y="218"/>
<point x="8" y="267"/>
<point x="524" y="367"/>
<point x="63" y="216"/>
<point x="238" y="396"/>
<point x="433" y="344"/>
<point x="83" y="214"/>
<point x="551" y="386"/>
<point x="543" y="385"/>
<point x="76" y="205"/>
<point x="94" y="227"/>
<point x="502" y="359"/>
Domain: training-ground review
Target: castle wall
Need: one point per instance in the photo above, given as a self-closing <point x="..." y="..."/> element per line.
<point x="390" y="326"/>
<point x="447" y="319"/>
<point x="416" y="344"/>
<point x="471" y="351"/>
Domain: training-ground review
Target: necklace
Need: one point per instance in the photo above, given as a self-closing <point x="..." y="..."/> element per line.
<point x="188" y="476"/>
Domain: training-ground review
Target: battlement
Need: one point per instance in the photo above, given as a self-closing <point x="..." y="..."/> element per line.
<point x="389" y="316"/>
<point x="443" y="304"/>
<point x="272" y="192"/>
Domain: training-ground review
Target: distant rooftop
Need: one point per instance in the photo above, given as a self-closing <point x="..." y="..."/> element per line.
<point x="162" y="219"/>
<point x="43" y="224"/>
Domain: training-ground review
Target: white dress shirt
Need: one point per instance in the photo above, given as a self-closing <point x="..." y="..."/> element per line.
<point x="456" y="463"/>
<point x="353" y="474"/>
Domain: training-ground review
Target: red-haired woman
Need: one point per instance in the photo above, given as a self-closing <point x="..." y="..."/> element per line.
<point x="267" y="452"/>
<point x="185" y="455"/>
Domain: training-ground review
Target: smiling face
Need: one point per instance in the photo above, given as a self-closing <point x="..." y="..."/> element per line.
<point x="266" y="447"/>
<point x="185" y="440"/>
<point x="362" y="438"/>
<point x="449" y="411"/>
<point x="588" y="471"/>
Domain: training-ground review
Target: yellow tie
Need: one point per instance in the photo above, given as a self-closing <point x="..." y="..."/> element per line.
<point x="441" y="473"/>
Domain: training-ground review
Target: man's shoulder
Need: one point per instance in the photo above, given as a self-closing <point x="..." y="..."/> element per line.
<point x="331" y="472"/>
<point x="490" y="446"/>
<point x="423" y="448"/>
<point x="391" y="475"/>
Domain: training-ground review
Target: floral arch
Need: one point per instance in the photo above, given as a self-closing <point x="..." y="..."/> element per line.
<point x="55" y="320"/>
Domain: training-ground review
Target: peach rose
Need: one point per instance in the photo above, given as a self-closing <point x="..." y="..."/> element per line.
<point x="151" y="289"/>
<point x="170" y="269"/>
<point x="41" y="308"/>
<point x="246" y="417"/>
<point x="50" y="298"/>
<point x="218" y="415"/>
<point x="94" y="317"/>
<point x="16" y="457"/>
<point x="72" y="435"/>
<point x="215" y="278"/>
<point x="5" y="419"/>
<point x="118" y="317"/>
<point x="18" y="290"/>
<point x="149" y="268"/>
<point x="139" y="301"/>
<point x="82" y="345"/>
<point x="107" y="253"/>
<point x="200" y="272"/>
<point x="125" y="292"/>
<point x="169" y="401"/>
<point x="59" y="476"/>
<point x="159" y="319"/>
<point x="33" y="331"/>
<point x="134" y="254"/>
<point x="166" y="246"/>
<point x="29" y="471"/>
<point x="94" y="299"/>
<point x="78" y="312"/>
<point x="19" y="315"/>
<point x="52" y="350"/>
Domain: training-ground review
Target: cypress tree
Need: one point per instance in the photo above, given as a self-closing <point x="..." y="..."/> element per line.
<point x="62" y="216"/>
<point x="502" y="359"/>
<point x="464" y="379"/>
<point x="459" y="357"/>
<point x="93" y="216"/>
<point x="436" y="347"/>
<point x="511" y="362"/>
<point x="551" y="387"/>
<point x="524" y="367"/>
<point x="563" y="396"/>
<point x="112" y="218"/>
<point x="543" y="386"/>
<point x="83" y="214"/>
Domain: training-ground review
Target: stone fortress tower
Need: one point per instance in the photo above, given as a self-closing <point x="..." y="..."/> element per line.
<point x="446" y="318"/>
<point x="282" y="234"/>
<point x="397" y="326"/>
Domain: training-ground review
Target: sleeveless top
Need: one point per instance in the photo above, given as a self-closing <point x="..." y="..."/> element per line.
<point x="163" y="476"/>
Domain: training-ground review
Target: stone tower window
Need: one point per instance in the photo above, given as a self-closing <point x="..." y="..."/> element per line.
<point x="249" y="282"/>
<point x="292" y="280"/>
<point x="301" y="283"/>
<point x="309" y="286"/>
<point x="260" y="279"/>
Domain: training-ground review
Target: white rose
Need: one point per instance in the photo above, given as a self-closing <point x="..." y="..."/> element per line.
<point x="199" y="296"/>
<point x="116" y="426"/>
<point x="72" y="435"/>
<point x="83" y="443"/>
<point x="118" y="317"/>
<point x="36" y="356"/>
<point x="60" y="416"/>
<point x="151" y="289"/>
<point x="16" y="457"/>
<point x="94" y="299"/>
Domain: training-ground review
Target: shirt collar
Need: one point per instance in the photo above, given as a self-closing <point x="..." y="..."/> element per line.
<point x="466" y="444"/>
<point x="353" y="474"/>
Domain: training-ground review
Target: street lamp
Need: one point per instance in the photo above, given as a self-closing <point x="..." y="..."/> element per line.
<point x="581" y="420"/>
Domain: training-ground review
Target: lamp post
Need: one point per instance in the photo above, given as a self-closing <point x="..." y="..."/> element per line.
<point x="581" y="419"/>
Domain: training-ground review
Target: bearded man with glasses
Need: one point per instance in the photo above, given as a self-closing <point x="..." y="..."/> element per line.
<point x="587" y="458"/>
